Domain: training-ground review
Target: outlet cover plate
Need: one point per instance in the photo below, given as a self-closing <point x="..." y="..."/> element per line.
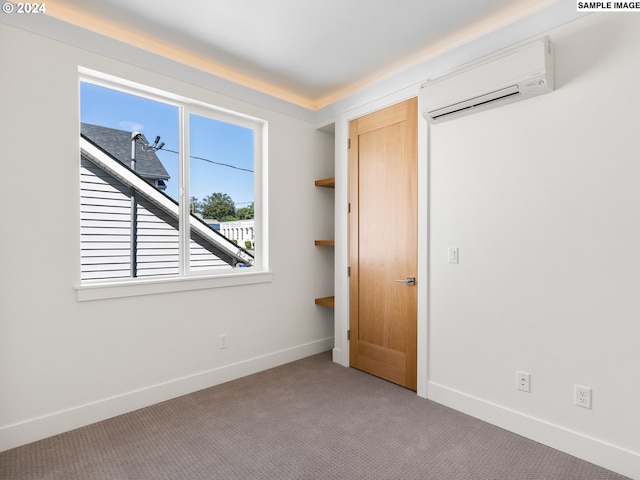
<point x="582" y="396"/>
<point x="523" y="381"/>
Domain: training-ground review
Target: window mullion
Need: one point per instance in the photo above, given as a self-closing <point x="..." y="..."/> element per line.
<point x="184" y="222"/>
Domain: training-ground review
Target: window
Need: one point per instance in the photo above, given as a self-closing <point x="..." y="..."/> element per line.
<point x="160" y="173"/>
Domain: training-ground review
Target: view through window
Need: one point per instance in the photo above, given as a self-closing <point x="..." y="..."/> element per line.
<point x="167" y="188"/>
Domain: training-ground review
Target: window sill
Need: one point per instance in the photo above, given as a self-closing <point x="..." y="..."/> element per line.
<point x="136" y="288"/>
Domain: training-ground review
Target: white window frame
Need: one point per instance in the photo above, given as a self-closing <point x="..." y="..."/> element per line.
<point x="186" y="280"/>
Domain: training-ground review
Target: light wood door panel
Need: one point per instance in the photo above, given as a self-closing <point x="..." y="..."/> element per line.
<point x="383" y="243"/>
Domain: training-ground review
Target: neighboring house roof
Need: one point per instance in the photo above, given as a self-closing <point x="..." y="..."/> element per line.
<point x="118" y="144"/>
<point x="224" y="247"/>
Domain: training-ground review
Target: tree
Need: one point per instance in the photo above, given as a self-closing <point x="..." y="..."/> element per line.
<point x="245" y="213"/>
<point x="217" y="206"/>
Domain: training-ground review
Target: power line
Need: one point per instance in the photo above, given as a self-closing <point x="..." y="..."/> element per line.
<point x="210" y="161"/>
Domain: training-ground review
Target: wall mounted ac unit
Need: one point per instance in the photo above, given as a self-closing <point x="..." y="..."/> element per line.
<point x="506" y="76"/>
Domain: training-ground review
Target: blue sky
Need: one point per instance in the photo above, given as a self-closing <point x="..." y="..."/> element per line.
<point x="209" y="139"/>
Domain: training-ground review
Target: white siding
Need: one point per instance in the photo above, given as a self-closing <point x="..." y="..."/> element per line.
<point x="105" y="225"/>
<point x="158" y="242"/>
<point x="201" y="258"/>
<point x="106" y="233"/>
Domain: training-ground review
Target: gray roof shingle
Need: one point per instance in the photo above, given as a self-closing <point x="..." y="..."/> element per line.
<point x="118" y="144"/>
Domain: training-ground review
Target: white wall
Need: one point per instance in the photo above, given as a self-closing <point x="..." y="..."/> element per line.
<point x="543" y="199"/>
<point x="63" y="363"/>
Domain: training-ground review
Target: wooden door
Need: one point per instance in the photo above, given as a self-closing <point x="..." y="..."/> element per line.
<point x="383" y="185"/>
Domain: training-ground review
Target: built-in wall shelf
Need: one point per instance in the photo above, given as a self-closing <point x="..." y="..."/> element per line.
<point x="326" y="182"/>
<point x="325" y="302"/>
<point x="325" y="243"/>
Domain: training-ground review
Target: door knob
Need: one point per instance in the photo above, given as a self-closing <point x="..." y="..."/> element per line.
<point x="408" y="281"/>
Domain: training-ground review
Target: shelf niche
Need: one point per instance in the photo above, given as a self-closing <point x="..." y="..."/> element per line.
<point x="326" y="183"/>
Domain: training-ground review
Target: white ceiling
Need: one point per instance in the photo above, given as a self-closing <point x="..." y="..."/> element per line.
<point x="309" y="52"/>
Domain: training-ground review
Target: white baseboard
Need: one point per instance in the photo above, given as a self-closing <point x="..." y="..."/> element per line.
<point x="34" y="429"/>
<point x="598" y="452"/>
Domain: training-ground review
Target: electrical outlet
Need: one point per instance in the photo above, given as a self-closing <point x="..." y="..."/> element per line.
<point x="582" y="396"/>
<point x="523" y="381"/>
<point x="223" y="342"/>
